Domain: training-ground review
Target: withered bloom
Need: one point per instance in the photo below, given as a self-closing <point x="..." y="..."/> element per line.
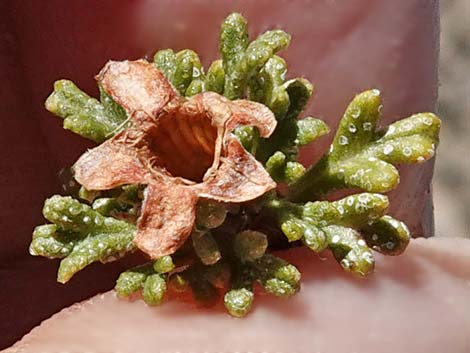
<point x="182" y="149"/>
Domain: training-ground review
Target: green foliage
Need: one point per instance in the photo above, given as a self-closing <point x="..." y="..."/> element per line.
<point x="349" y="227"/>
<point x="79" y="235"/>
<point x="84" y="115"/>
<point x="164" y="264"/>
<point x="287" y="99"/>
<point x="386" y="235"/>
<point x="241" y="60"/>
<point x="149" y="278"/>
<point x="183" y="69"/>
<point x="133" y="280"/>
<point x="277" y="276"/>
<point x="363" y="157"/>
<point x="154" y="289"/>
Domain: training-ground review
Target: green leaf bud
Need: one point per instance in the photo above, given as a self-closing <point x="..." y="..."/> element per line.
<point x="84" y="115"/>
<point x="154" y="290"/>
<point x="164" y="264"/>
<point x="132" y="280"/>
<point x="238" y="302"/>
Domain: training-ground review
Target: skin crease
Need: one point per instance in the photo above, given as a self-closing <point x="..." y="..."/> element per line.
<point x="343" y="47"/>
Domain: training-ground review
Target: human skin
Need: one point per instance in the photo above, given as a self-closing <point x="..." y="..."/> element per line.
<point x="343" y="47"/>
<point x="424" y="311"/>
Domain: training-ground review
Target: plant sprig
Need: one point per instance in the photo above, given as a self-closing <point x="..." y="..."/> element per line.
<point x="84" y="115"/>
<point x="227" y="253"/>
<point x="364" y="157"/>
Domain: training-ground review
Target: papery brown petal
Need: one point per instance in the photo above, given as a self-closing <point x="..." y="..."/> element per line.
<point x="232" y="114"/>
<point x="249" y="113"/>
<point x="167" y="219"/>
<point x="239" y="178"/>
<point x="136" y="85"/>
<point x="109" y="165"/>
<point x="217" y="107"/>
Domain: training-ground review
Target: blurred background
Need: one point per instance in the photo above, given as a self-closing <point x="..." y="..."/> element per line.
<point x="452" y="174"/>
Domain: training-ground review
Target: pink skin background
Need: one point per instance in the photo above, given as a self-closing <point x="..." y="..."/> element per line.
<point x="343" y="47"/>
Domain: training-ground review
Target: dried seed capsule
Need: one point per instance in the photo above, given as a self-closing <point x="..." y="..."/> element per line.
<point x="154" y="289"/>
<point x="84" y="115"/>
<point x="250" y="245"/>
<point x="238" y="302"/>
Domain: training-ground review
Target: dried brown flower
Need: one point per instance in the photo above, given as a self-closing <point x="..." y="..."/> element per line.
<point x="182" y="149"/>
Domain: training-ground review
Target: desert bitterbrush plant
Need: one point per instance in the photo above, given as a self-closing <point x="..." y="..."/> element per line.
<point x="188" y="167"/>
